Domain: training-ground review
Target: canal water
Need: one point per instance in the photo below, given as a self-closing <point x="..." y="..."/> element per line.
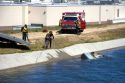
<point x="109" y="69"/>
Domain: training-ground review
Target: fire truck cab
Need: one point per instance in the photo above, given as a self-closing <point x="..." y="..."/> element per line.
<point x="73" y="21"/>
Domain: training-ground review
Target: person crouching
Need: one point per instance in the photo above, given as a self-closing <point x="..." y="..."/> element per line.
<point x="48" y="39"/>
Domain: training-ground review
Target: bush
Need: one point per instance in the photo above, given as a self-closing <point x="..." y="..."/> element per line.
<point x="44" y="30"/>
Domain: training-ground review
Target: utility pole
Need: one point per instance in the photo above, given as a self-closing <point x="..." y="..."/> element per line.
<point x="100" y="14"/>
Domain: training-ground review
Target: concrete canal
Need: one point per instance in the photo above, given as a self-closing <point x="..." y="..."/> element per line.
<point x="108" y="69"/>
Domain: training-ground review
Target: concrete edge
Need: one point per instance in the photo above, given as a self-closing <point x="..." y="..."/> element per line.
<point x="20" y="59"/>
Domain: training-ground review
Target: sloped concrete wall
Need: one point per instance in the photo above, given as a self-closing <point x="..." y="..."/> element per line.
<point x="20" y="59"/>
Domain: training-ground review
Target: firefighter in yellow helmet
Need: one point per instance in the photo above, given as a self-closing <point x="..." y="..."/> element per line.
<point x="77" y="24"/>
<point x="24" y="31"/>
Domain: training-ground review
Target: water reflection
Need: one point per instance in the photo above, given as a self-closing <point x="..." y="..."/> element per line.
<point x="109" y="69"/>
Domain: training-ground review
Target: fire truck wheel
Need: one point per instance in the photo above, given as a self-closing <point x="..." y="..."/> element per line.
<point x="62" y="31"/>
<point x="81" y="30"/>
<point x="78" y="33"/>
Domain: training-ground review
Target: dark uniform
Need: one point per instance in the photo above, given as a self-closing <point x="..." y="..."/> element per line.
<point x="77" y="26"/>
<point x="24" y="31"/>
<point x="48" y="39"/>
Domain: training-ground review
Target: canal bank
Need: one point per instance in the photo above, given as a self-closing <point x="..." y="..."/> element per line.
<point x="20" y="59"/>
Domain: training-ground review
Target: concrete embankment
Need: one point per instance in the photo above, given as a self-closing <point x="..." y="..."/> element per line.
<point x="20" y="59"/>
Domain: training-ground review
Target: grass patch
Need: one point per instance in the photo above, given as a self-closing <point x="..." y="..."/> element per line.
<point x="57" y="28"/>
<point x="33" y="29"/>
<point x="101" y="25"/>
<point x="113" y="34"/>
<point x="65" y="41"/>
<point x="97" y="25"/>
<point x="71" y="40"/>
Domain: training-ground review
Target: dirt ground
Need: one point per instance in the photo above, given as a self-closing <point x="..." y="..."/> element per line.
<point x="34" y="36"/>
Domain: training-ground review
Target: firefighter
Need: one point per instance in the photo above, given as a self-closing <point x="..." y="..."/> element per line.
<point x="48" y="39"/>
<point x="24" y="31"/>
<point x="77" y="26"/>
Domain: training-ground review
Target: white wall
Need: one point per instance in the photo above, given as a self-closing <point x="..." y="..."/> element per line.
<point x="51" y="14"/>
<point x="37" y="15"/>
<point x="10" y="15"/>
<point x="121" y="11"/>
<point x="25" y="17"/>
<point x="93" y="13"/>
<point x="108" y="12"/>
<point x="13" y="15"/>
<point x="54" y="14"/>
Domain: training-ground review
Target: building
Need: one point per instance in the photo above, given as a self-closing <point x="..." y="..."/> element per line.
<point x="48" y="1"/>
<point x="49" y="15"/>
<point x="122" y="1"/>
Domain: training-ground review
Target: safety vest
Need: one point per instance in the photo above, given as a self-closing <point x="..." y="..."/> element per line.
<point x="25" y="29"/>
<point x="78" y="24"/>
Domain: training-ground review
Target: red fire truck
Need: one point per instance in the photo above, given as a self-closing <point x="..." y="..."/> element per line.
<point x="74" y="21"/>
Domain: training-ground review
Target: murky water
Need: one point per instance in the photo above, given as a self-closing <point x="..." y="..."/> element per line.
<point x="109" y="69"/>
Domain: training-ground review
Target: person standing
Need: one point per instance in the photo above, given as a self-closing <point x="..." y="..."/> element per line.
<point x="48" y="39"/>
<point x="24" y="31"/>
<point x="77" y="24"/>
